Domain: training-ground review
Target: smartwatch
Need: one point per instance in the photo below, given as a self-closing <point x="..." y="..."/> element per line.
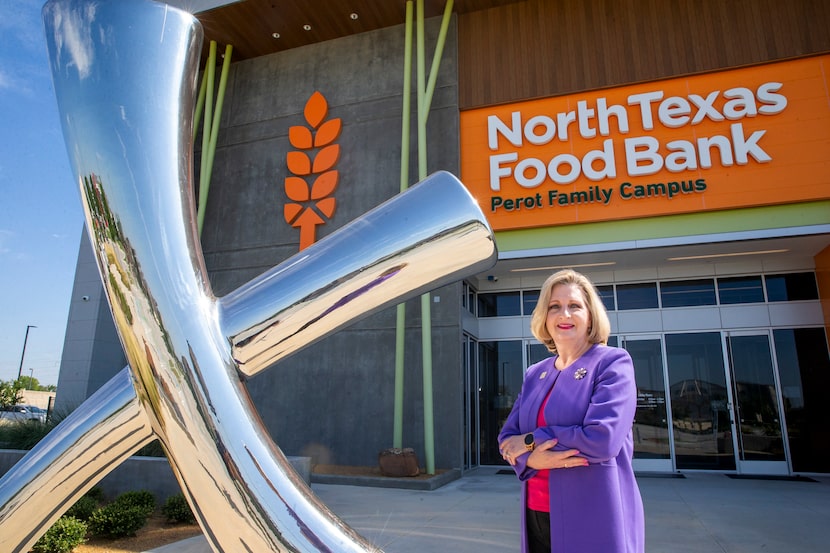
<point x="530" y="442"/>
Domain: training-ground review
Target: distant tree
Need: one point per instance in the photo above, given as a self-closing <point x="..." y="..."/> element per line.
<point x="30" y="383"/>
<point x="10" y="393"/>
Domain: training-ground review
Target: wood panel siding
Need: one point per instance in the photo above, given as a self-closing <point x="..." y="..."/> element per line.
<point x="251" y="26"/>
<point x="540" y="48"/>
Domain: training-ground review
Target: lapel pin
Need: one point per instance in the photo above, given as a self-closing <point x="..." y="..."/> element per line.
<point x="543" y="375"/>
<point x="580" y="374"/>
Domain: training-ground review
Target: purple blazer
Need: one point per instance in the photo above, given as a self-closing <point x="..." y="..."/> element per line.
<point x="591" y="408"/>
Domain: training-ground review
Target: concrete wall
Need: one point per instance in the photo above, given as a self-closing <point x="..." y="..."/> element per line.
<point x="44" y="400"/>
<point x="334" y="400"/>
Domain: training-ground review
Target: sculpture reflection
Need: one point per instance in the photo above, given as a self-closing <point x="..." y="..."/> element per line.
<point x="129" y="142"/>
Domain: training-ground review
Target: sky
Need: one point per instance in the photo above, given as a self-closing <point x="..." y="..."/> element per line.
<point x="40" y="211"/>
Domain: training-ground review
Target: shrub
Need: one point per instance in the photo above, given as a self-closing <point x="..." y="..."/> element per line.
<point x="117" y="520"/>
<point x="124" y="516"/>
<point x="83" y="508"/>
<point x="176" y="509"/>
<point x="141" y="499"/>
<point x="64" y="536"/>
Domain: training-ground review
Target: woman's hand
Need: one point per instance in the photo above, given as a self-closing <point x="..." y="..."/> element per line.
<point x="543" y="458"/>
<point x="512" y="448"/>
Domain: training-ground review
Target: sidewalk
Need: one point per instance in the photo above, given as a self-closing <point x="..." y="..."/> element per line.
<point x="479" y="513"/>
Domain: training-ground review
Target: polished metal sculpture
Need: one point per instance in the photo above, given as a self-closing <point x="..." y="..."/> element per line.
<point x="125" y="73"/>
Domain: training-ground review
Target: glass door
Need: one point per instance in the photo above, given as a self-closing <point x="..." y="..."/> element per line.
<point x="803" y="364"/>
<point x="701" y="419"/>
<point x="471" y="387"/>
<point x="757" y="410"/>
<point x="500" y="375"/>
<point x="652" y="439"/>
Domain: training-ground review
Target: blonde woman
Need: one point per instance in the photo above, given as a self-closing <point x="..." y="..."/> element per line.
<point x="568" y="436"/>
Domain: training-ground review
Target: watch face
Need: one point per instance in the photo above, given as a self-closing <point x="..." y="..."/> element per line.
<point x="529" y="439"/>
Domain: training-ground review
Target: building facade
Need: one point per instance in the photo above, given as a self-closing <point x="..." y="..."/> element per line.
<point x="675" y="152"/>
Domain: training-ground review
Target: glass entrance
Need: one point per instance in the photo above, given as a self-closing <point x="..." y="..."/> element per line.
<point x="500" y="375"/>
<point x="700" y="414"/>
<point x="652" y="448"/>
<point x="759" y="436"/>
<point x="804" y="375"/>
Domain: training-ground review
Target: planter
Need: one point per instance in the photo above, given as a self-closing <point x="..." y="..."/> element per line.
<point x="397" y="462"/>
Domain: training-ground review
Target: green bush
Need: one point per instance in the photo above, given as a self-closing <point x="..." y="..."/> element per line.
<point x="117" y="521"/>
<point x="141" y="499"/>
<point x="124" y="516"/>
<point x="176" y="509"/>
<point x="64" y="536"/>
<point x="83" y="508"/>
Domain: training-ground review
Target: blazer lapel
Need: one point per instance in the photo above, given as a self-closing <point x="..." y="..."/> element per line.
<point x="540" y="386"/>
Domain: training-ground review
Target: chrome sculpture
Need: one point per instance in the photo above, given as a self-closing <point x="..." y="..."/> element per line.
<point x="125" y="73"/>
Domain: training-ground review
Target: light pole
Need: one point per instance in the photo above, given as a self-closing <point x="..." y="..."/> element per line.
<point x="25" y="339"/>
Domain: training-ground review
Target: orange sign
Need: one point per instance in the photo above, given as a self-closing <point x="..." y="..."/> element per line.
<point x="312" y="164"/>
<point x="746" y="137"/>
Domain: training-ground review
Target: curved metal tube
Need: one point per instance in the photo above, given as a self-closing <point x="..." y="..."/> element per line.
<point x="127" y="113"/>
<point x="80" y="451"/>
<point x="427" y="237"/>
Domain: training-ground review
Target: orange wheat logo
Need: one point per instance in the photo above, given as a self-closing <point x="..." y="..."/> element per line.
<point x="312" y="164"/>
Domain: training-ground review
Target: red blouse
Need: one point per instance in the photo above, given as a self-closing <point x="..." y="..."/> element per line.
<point x="538" y="492"/>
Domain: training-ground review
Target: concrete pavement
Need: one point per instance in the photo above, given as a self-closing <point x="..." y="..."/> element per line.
<point x="479" y="513"/>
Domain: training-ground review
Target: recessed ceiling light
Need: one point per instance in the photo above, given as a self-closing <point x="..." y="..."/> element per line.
<point x="528" y="269"/>
<point x="715" y="255"/>
<point x="275" y="35"/>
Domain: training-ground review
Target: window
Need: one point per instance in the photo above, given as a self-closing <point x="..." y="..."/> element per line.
<point x="606" y="294"/>
<point x="804" y="369"/>
<point x="685" y="293"/>
<point x="529" y="300"/>
<point x="536" y="352"/>
<point x="501" y="304"/>
<point x="468" y="298"/>
<point x="637" y="296"/>
<point x="747" y="289"/>
<point x="792" y="287"/>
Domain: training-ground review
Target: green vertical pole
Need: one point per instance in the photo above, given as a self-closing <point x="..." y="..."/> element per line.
<point x="424" y="97"/>
<point x="425" y="90"/>
<point x="436" y="58"/>
<point x="400" y="324"/>
<point x="207" y="168"/>
<point x="200" y="103"/>
<point x="210" y="74"/>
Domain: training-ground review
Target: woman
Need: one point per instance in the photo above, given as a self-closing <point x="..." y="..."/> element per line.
<point x="568" y="436"/>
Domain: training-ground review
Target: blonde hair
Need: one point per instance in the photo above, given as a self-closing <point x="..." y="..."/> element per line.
<point x="600" y="326"/>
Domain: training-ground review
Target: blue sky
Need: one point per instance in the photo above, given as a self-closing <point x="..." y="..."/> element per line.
<point x="40" y="212"/>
